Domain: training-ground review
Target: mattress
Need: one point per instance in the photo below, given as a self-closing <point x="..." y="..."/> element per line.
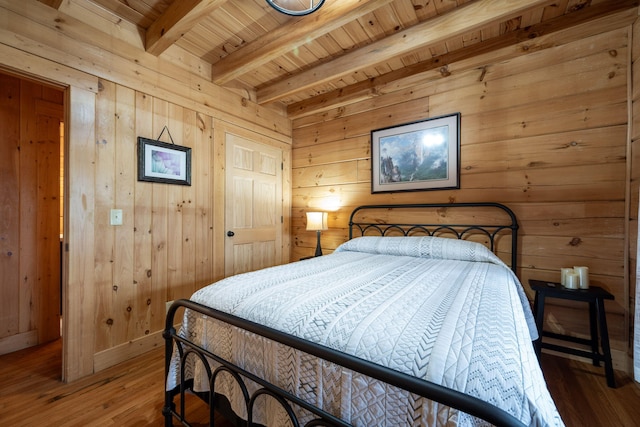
<point x="445" y="310"/>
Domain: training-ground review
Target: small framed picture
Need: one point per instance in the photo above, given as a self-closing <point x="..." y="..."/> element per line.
<point x="162" y="162"/>
<point x="422" y="155"/>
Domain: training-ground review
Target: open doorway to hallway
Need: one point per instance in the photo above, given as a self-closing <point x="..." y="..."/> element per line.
<point x="31" y="216"/>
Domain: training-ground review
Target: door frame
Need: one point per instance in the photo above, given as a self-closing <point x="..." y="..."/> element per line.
<point x="220" y="129"/>
<point x="80" y="90"/>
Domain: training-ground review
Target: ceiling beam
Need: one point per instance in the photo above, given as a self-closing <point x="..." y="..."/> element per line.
<point x="180" y="17"/>
<point x="288" y="37"/>
<point x="122" y="10"/>
<point x="461" y="20"/>
<point x="52" y="3"/>
<point x="372" y="87"/>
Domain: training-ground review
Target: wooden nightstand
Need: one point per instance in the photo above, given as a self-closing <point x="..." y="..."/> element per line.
<point x="595" y="296"/>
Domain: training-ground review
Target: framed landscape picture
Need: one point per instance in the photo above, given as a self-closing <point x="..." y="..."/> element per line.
<point x="162" y="162"/>
<point x="423" y="155"/>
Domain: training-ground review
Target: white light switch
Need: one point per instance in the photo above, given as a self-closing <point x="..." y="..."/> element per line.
<point x="116" y="216"/>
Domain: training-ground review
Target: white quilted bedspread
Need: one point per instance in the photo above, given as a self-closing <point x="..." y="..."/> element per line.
<point x="445" y="310"/>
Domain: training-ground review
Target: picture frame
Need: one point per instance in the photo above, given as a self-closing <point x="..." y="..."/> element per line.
<point x="416" y="156"/>
<point x="163" y="163"/>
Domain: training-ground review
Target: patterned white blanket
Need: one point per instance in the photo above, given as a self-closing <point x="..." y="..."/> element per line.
<point x="445" y="310"/>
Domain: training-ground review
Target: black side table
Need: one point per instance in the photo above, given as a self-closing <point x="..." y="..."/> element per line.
<point x="595" y="296"/>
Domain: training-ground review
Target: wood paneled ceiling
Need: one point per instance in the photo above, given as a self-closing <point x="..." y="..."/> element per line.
<point x="347" y="49"/>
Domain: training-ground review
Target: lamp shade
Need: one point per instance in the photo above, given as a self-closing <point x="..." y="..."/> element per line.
<point x="317" y="221"/>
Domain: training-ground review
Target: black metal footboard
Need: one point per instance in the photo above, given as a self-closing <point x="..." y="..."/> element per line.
<point x="187" y="348"/>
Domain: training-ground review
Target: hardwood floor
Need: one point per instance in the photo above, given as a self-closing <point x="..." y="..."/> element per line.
<point x="130" y="394"/>
<point x="582" y="397"/>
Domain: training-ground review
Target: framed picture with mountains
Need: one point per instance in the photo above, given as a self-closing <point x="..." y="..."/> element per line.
<point x="422" y="155"/>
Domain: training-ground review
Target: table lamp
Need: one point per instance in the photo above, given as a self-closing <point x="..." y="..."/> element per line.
<point x="317" y="221"/>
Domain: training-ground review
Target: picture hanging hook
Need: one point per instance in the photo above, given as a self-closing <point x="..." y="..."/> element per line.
<point x="168" y="133"/>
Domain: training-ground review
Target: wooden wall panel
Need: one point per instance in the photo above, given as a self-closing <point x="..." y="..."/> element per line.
<point x="545" y="133"/>
<point x="47" y="303"/>
<point x="9" y="206"/>
<point x="203" y="202"/>
<point x="28" y="205"/>
<point x="163" y="250"/>
<point x="132" y="304"/>
<point x="159" y="220"/>
<point x="79" y="328"/>
<point x="174" y="214"/>
<point x="186" y="205"/>
<point x="141" y="218"/>
<point x="106" y="288"/>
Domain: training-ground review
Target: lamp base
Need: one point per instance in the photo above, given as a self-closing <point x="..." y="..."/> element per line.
<point x="318" y="248"/>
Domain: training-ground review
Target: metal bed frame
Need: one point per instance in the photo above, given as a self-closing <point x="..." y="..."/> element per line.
<point x="429" y="390"/>
<point x="433" y="229"/>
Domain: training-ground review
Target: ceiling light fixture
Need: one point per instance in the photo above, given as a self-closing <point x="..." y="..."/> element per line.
<point x="296" y="7"/>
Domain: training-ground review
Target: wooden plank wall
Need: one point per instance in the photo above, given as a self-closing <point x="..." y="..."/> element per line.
<point x="169" y="243"/>
<point x="544" y="130"/>
<point x="30" y="114"/>
<point x="10" y="200"/>
<point x="119" y="277"/>
<point x="163" y="250"/>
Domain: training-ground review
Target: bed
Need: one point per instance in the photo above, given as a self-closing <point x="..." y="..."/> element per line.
<point x="409" y="322"/>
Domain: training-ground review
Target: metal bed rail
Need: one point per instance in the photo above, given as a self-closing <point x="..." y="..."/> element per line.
<point x="452" y="398"/>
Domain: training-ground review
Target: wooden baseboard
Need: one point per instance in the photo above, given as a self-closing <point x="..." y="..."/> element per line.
<point x="18" y="342"/>
<point x="620" y="361"/>
<point x="126" y="351"/>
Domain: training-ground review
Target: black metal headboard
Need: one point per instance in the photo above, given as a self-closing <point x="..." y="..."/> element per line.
<point x="492" y="231"/>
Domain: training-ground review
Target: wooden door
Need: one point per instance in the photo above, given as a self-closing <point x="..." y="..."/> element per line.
<point x="253" y="205"/>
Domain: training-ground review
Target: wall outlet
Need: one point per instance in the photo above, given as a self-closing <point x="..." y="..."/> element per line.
<point x="116" y="217"/>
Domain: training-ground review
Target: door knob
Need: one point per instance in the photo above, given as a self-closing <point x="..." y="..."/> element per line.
<point x="230" y="233"/>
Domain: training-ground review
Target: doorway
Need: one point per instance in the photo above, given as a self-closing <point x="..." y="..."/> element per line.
<point x="31" y="194"/>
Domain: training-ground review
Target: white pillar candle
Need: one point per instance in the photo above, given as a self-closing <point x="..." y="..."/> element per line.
<point x="573" y="281"/>
<point x="583" y="273"/>
<point x="563" y="275"/>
